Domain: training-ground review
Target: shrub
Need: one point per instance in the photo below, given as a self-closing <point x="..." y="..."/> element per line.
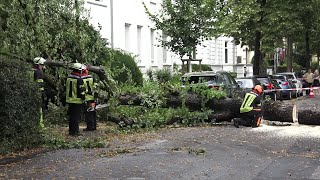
<point x="19" y="107"/>
<point x="204" y="67"/>
<point x="163" y="75"/>
<point x="125" y="68"/>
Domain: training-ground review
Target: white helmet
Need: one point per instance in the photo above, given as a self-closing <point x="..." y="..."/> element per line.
<point x="77" y="66"/>
<point x="39" y="60"/>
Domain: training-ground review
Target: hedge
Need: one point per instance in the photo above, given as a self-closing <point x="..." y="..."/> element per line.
<point x="125" y="68"/>
<point x="19" y="107"/>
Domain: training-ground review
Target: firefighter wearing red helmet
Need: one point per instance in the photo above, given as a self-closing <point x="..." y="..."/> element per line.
<point x="250" y="108"/>
<point x="90" y="104"/>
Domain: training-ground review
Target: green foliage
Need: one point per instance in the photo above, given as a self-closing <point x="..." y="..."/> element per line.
<point x="163" y="75"/>
<point x="55" y="141"/>
<point x="204" y="67"/>
<point x="125" y="68"/>
<point x="56" y="115"/>
<point x="19" y="107"/>
<point x="151" y="118"/>
<point x="186" y="22"/>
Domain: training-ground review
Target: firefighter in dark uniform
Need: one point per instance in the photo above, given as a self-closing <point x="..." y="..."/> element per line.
<point x="42" y="80"/>
<point x="75" y="96"/>
<point x="250" y="109"/>
<point x="89" y="105"/>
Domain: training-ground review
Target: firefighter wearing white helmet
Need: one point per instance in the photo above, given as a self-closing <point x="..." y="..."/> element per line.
<point x="39" y="61"/>
<point x="75" y="97"/>
<point x="42" y="80"/>
<point x="250" y="108"/>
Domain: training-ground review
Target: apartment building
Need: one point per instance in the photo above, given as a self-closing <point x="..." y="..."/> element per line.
<point x="126" y="26"/>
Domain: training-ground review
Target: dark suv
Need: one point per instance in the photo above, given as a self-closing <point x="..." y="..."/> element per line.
<point x="218" y="80"/>
<point x="271" y="87"/>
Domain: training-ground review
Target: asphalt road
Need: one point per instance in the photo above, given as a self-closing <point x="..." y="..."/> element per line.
<point x="213" y="152"/>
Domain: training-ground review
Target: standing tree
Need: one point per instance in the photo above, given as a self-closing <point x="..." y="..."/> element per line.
<point x="186" y="22"/>
<point x="245" y="21"/>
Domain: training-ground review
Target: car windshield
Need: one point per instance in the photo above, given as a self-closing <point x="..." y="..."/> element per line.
<point x="263" y="80"/>
<point x="279" y="77"/>
<point x="205" y="79"/>
<point x="290" y="76"/>
<point x="246" y="83"/>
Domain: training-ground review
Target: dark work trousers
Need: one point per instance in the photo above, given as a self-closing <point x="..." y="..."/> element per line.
<point x="250" y="119"/>
<point x="91" y="120"/>
<point x="90" y="117"/>
<point x="308" y="90"/>
<point x="74" y="117"/>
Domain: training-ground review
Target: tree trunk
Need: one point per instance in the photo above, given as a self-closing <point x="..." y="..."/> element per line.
<point x="257" y="53"/>
<point x="278" y="111"/>
<point x="224" y="110"/>
<point x="309" y="112"/>
<point x="309" y="115"/>
<point x="307" y="55"/>
<point x="289" y="53"/>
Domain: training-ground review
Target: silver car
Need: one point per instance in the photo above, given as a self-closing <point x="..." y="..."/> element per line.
<point x="292" y="76"/>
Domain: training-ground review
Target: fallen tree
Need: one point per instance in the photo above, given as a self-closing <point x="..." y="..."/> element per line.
<point x="224" y="109"/>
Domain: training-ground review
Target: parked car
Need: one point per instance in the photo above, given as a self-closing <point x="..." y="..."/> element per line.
<point x="292" y="76"/>
<point x="270" y="86"/>
<point x="286" y="85"/>
<point x="303" y="81"/>
<point x="247" y="83"/>
<point x="218" y="80"/>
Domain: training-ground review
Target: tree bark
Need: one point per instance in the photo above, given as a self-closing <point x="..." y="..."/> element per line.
<point x="309" y="114"/>
<point x="289" y="53"/>
<point x="224" y="110"/>
<point x="257" y="53"/>
<point x="307" y="55"/>
<point x="277" y="111"/>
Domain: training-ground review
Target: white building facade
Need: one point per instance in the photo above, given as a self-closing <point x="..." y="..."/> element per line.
<point x="126" y="26"/>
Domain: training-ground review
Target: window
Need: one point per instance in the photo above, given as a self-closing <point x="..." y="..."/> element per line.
<point x="226" y="55"/>
<point x="164" y="50"/>
<point x="239" y="59"/>
<point x="152" y="45"/>
<point x="127" y="37"/>
<point x="226" y="52"/>
<point x="139" y="29"/>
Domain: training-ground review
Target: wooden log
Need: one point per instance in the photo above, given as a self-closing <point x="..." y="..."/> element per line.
<point x="309" y="112"/>
<point x="121" y="120"/>
<point x="278" y="111"/>
<point x="130" y="99"/>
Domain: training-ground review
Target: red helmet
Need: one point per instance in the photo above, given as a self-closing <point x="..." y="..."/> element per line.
<point x="85" y="70"/>
<point x="258" y="88"/>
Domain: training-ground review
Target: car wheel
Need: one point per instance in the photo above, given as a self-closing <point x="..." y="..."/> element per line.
<point x="290" y="96"/>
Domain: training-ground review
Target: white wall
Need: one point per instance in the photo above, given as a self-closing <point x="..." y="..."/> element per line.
<point x="133" y="33"/>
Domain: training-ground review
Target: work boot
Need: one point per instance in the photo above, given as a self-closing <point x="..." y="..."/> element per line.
<point x="75" y="134"/>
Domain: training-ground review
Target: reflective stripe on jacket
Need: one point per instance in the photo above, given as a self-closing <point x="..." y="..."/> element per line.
<point x="89" y="85"/>
<point x="38" y="77"/>
<point x="75" y="90"/>
<point x="246" y="105"/>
